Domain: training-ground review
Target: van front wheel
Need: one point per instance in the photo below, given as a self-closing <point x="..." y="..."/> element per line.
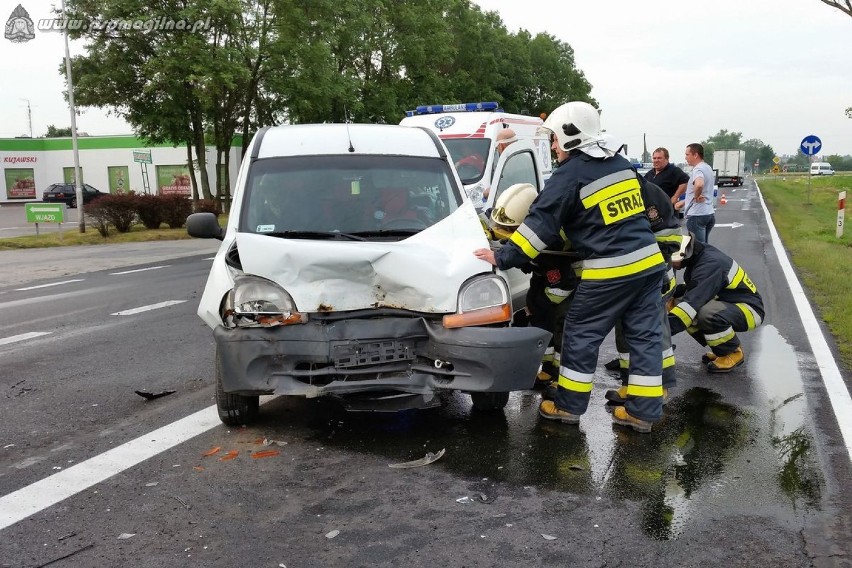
<point x="489" y="401"/>
<point x="234" y="409"/>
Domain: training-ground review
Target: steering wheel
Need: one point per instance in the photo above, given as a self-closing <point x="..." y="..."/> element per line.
<point x="402" y="223"/>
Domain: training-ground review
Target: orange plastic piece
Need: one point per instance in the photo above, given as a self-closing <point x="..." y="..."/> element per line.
<point x="265" y="454"/>
<point x="211" y="452"/>
<point x="230" y="455"/>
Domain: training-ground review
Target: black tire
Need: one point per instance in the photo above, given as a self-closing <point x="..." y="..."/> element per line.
<point x="234" y="409"/>
<point x="73" y="204"/>
<point x="489" y="401"/>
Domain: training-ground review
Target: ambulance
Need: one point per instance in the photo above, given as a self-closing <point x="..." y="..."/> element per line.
<point x="469" y="131"/>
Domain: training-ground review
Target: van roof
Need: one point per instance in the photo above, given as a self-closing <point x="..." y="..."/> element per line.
<point x="471" y="124"/>
<point x="331" y="139"/>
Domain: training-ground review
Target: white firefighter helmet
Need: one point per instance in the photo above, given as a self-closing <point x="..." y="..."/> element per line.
<point x="686" y="248"/>
<point x="577" y="125"/>
<point x="513" y="204"/>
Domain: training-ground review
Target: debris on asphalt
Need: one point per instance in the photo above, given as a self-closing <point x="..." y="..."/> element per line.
<point x="152" y="395"/>
<point x="332" y="534"/>
<point x="265" y="454"/>
<point x="7" y="446"/>
<point x="72" y="553"/>
<point x="125" y="536"/>
<point x="498" y="515"/>
<point x="463" y="500"/>
<point x="69" y="535"/>
<point x="426" y="460"/>
<point x="230" y="455"/>
<point x="152" y="484"/>
<point x="181" y="501"/>
<point x="268" y="442"/>
<point x="577" y="467"/>
<point x="211" y="452"/>
<point x="198" y="468"/>
<point x="548" y="536"/>
<point x="483" y="498"/>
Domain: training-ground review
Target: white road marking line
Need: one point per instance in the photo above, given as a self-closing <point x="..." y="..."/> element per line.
<point x="139" y="310"/>
<point x="838" y="394"/>
<point x="209" y="258"/>
<point x="139" y="270"/>
<point x="23" y="337"/>
<point x="49" y="285"/>
<point x="47" y="492"/>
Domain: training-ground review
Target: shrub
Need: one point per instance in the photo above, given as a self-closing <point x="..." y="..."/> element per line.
<point x="117" y="210"/>
<point x="206" y="206"/>
<point x="150" y="210"/>
<point x="176" y="208"/>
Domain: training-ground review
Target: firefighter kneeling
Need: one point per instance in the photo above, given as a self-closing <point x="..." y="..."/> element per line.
<point x="716" y="300"/>
<point x="553" y="277"/>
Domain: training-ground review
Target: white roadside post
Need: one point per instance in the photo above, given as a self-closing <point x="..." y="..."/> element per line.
<point x="78" y="184"/>
<point x="841" y="212"/>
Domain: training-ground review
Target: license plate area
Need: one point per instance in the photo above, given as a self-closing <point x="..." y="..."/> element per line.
<point x="360" y="354"/>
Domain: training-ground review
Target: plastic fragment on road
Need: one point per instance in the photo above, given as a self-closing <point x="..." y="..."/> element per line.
<point x="230" y="455"/>
<point x="463" y="500"/>
<point x="152" y="395"/>
<point x="426" y="460"/>
<point x="125" y="536"/>
<point x="268" y="442"/>
<point x="548" y="536"/>
<point x="332" y="534"/>
<point x="198" y="468"/>
<point x="265" y="454"/>
<point x="152" y="484"/>
<point x="211" y="452"/>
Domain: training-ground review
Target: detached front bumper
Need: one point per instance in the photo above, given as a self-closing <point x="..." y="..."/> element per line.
<point x="391" y="353"/>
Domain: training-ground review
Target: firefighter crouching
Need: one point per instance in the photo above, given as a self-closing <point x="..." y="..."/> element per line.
<point x="593" y="200"/>
<point x="552" y="279"/>
<point x="716" y="300"/>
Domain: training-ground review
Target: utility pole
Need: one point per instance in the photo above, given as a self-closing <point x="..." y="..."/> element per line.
<point x="29" y="116"/>
<point x="75" y="150"/>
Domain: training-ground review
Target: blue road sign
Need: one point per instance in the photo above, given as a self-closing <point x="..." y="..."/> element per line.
<point x="810" y="145"/>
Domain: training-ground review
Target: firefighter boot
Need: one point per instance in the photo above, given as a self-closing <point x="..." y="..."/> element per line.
<point x="619" y="397"/>
<point x="545" y="376"/>
<point x="709" y="356"/>
<point x="621" y="416"/>
<point x="548" y="409"/>
<point x="727" y="363"/>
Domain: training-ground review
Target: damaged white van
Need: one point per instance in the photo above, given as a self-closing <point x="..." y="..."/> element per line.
<point x="347" y="269"/>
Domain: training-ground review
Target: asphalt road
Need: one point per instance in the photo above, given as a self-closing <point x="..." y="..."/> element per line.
<point x="746" y="469"/>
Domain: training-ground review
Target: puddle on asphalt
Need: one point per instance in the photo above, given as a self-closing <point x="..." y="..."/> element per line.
<point x="686" y="460"/>
<point x="776" y="367"/>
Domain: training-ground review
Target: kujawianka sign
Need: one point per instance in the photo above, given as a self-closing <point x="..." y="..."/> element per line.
<point x="20" y="183"/>
<point x="174" y="180"/>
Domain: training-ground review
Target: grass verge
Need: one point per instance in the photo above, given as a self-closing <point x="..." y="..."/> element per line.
<point x="807" y="221"/>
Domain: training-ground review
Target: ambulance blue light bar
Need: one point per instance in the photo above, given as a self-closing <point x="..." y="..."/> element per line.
<point x="462" y="107"/>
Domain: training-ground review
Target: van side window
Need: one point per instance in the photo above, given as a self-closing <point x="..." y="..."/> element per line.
<point x="519" y="168"/>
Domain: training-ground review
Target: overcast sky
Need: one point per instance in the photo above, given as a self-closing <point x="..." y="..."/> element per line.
<point x="677" y="71"/>
<point x="680" y="71"/>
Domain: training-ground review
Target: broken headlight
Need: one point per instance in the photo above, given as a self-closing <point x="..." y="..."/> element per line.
<point x="257" y="302"/>
<point x="482" y="301"/>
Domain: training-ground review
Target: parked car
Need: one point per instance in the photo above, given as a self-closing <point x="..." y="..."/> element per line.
<point x="347" y="270"/>
<point x="67" y="193"/>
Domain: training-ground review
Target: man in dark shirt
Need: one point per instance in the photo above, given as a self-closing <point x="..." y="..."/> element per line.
<point x="668" y="176"/>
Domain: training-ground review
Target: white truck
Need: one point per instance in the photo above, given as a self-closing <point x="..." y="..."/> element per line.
<point x="729" y="166"/>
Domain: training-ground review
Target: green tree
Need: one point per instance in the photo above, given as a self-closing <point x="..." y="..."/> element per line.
<point x="757" y="150"/>
<point x="53" y="132"/>
<point x="722" y="140"/>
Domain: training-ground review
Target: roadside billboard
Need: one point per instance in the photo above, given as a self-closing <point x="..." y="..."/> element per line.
<point x="20" y="183"/>
<point x="173" y="180"/>
<point x="118" y="176"/>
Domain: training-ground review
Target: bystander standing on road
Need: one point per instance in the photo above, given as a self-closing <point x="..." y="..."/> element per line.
<point x="698" y="205"/>
<point x="670" y="178"/>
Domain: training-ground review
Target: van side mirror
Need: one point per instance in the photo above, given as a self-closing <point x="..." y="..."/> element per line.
<point x="204" y="226"/>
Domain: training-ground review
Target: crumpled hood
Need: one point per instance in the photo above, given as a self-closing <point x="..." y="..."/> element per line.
<point x="422" y="273"/>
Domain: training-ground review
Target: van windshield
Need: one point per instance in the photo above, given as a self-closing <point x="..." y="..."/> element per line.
<point x="470" y="156"/>
<point x="370" y="196"/>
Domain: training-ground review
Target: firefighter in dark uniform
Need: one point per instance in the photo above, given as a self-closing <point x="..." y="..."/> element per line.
<point x="716" y="300"/>
<point x="594" y="201"/>
<point x="667" y="232"/>
<point x="552" y="277"/>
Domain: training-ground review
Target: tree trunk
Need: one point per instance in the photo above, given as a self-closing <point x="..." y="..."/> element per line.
<point x="200" y="151"/>
<point x="192" y="177"/>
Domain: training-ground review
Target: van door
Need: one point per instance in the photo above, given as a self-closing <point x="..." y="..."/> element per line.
<point x="517" y="164"/>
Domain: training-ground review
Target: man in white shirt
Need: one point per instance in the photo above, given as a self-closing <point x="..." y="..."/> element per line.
<point x="698" y="206"/>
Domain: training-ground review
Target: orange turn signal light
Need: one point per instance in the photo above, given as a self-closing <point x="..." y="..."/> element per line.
<point x="495" y="314"/>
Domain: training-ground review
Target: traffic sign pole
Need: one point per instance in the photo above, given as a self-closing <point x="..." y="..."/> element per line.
<point x="810" y="146"/>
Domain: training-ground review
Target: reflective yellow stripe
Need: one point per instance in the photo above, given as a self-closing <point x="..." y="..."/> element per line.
<point x="737" y="279"/>
<point x="556" y="298"/>
<point x="650" y="392"/>
<point x="625" y="270"/>
<point x="610" y="191"/>
<point x="575" y="386"/>
<point x="668" y="362"/>
<point x="681" y="315"/>
<point x="622" y="206"/>
<point x="719" y="338"/>
<point x="524" y="244"/>
<point x="749" y="316"/>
